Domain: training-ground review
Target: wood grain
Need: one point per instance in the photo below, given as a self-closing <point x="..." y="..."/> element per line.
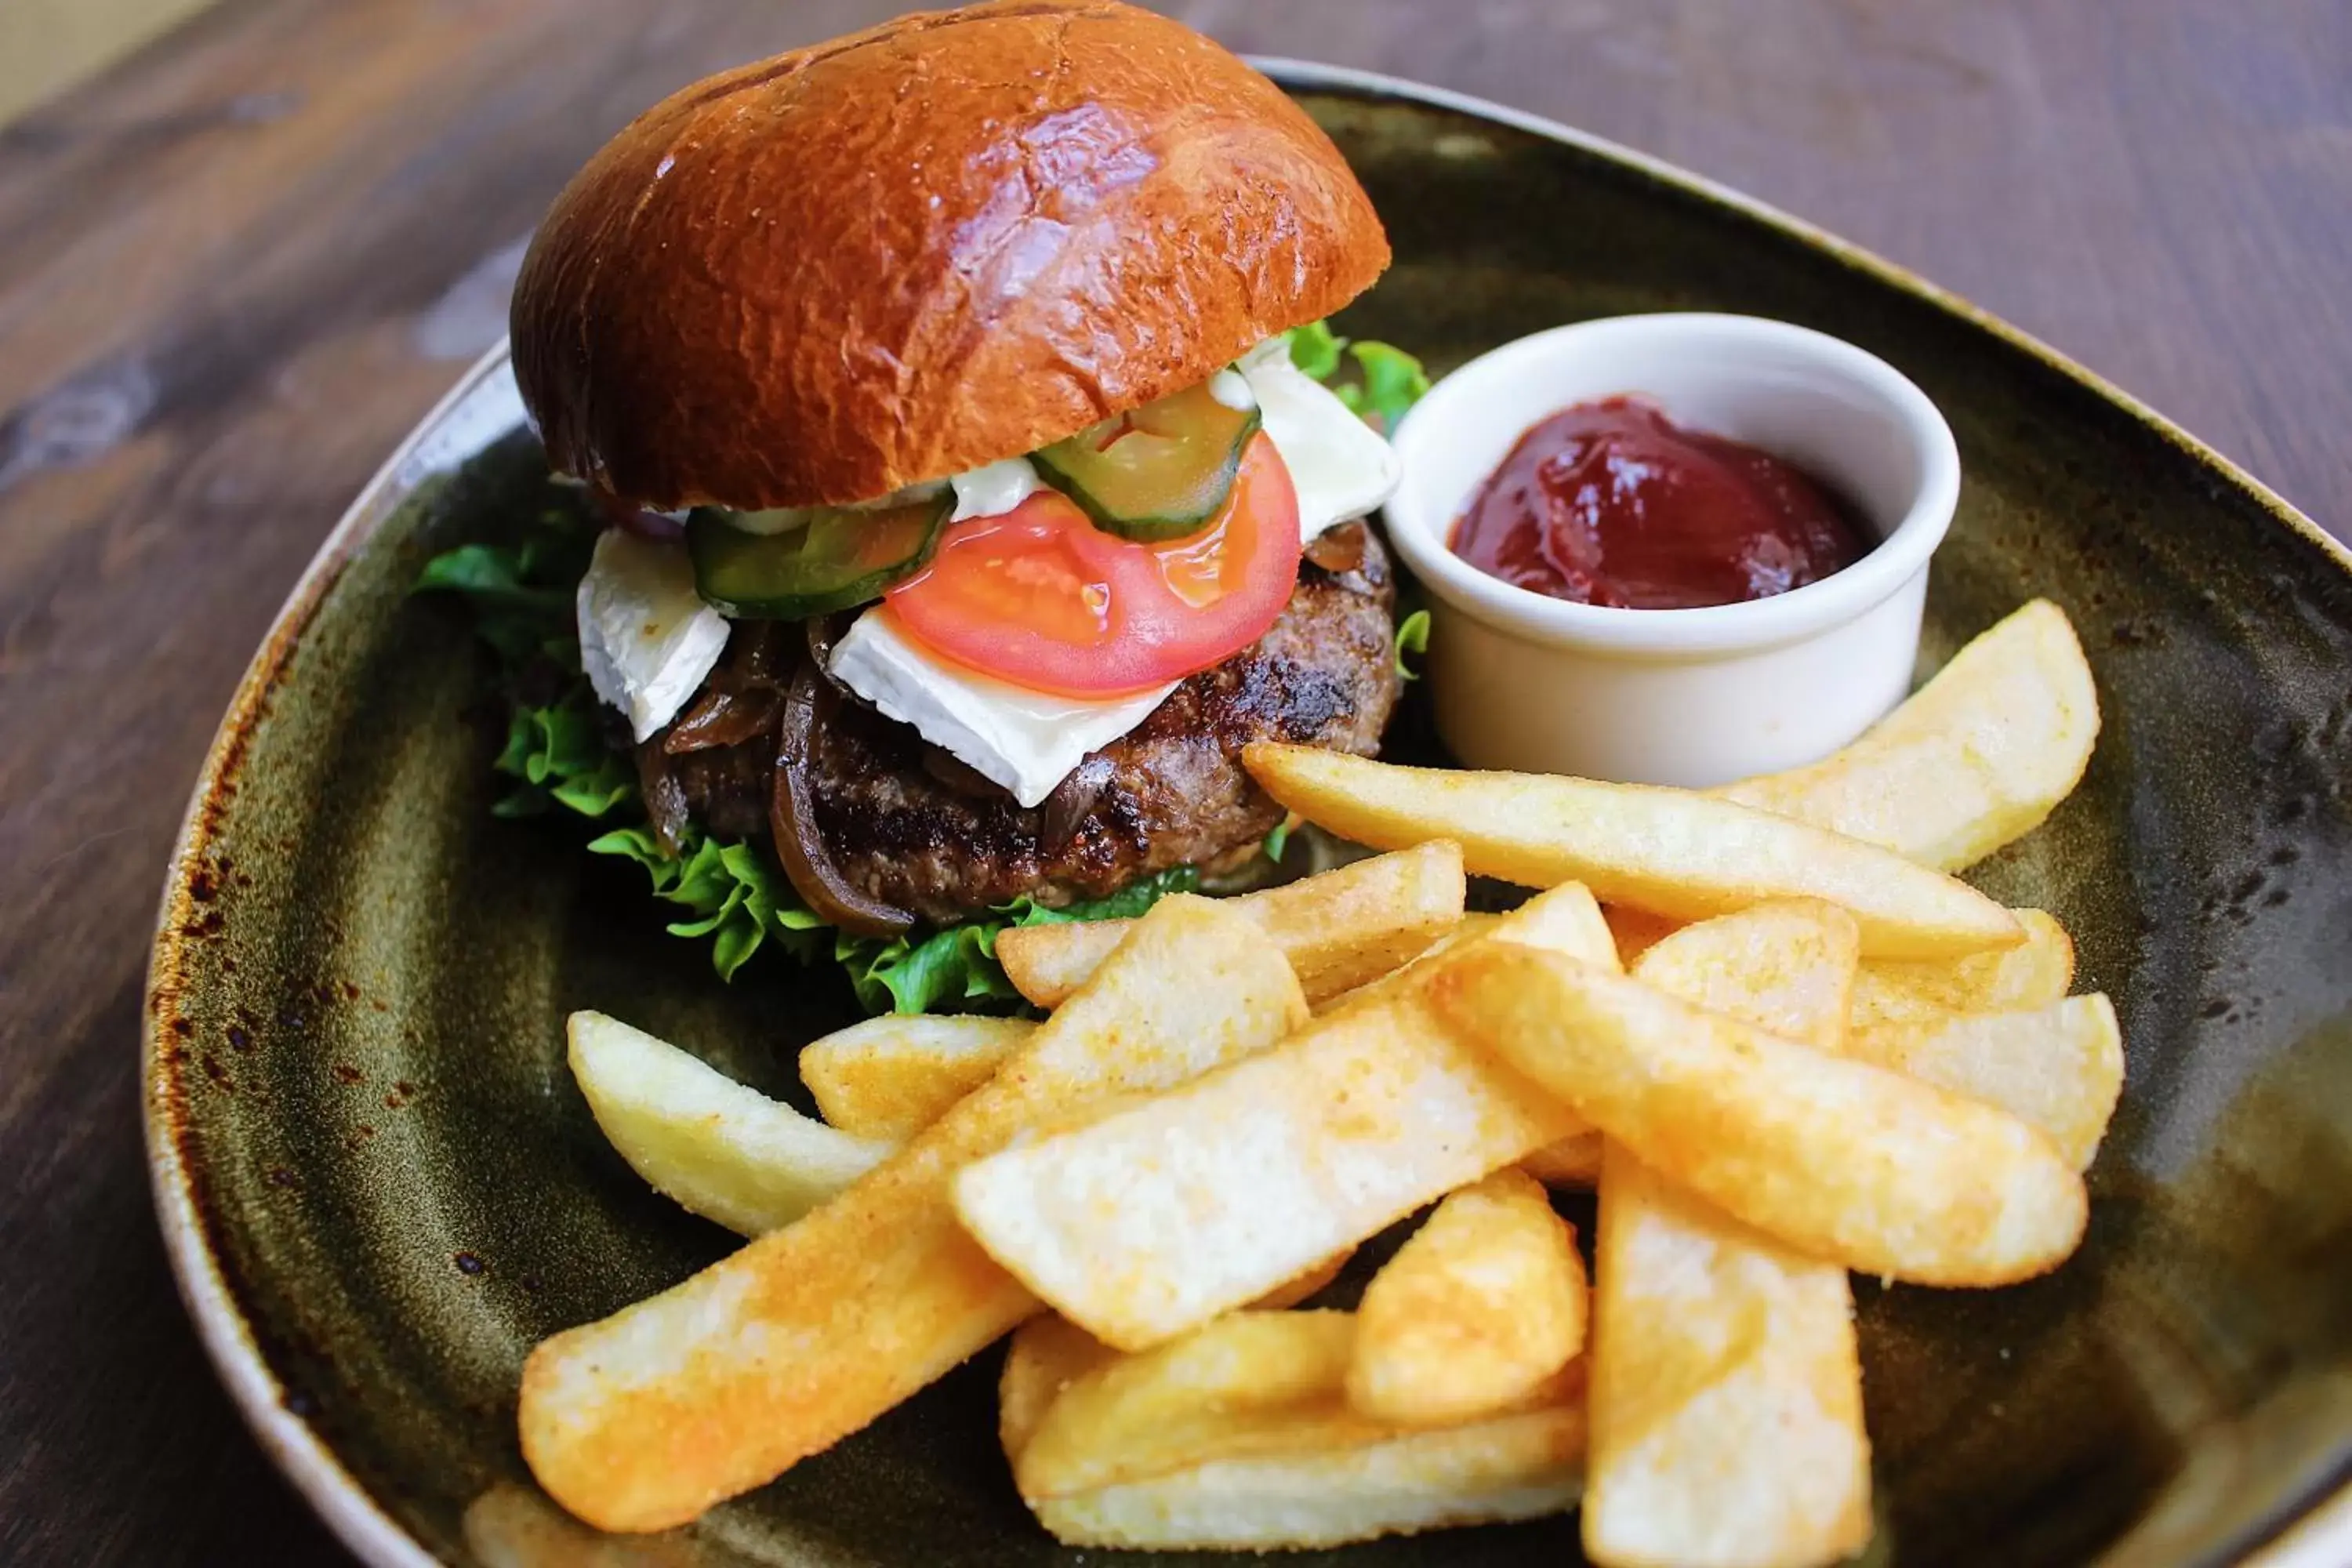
<point x="235" y="269"/>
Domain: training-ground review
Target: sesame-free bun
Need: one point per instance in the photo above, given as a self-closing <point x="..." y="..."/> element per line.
<point x="951" y="238"/>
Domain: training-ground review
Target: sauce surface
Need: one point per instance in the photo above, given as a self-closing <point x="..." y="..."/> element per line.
<point x="1611" y="503"/>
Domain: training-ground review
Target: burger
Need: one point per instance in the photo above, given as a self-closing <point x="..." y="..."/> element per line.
<point x="952" y="393"/>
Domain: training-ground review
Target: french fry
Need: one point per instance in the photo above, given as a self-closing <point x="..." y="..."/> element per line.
<point x="893" y="1076"/>
<point x="1573" y="1163"/>
<point x="1848" y="1162"/>
<point x="648" y="1417"/>
<point x="2060" y="1067"/>
<point x="722" y="1150"/>
<point x="1636" y="932"/>
<point x="1248" y="1383"/>
<point x="1482" y="1304"/>
<point x="1979" y="756"/>
<point x="1049" y="1352"/>
<point x="1046" y="1354"/>
<point x="1516" y="1467"/>
<point x="1339" y="929"/>
<point x="1787" y="966"/>
<point x="1663" y="851"/>
<point x="2034" y="974"/>
<point x="1155" y="1220"/>
<point x="1726" y="1389"/>
<point x="1726" y="1392"/>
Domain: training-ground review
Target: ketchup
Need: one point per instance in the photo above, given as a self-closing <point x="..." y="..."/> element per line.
<point x="1611" y="503"/>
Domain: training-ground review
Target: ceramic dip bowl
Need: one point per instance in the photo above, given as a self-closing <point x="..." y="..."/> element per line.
<point x="1689" y="696"/>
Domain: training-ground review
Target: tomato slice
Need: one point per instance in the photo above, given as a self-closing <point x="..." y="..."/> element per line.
<point x="1042" y="598"/>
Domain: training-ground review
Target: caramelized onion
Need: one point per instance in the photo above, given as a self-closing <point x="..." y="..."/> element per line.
<point x="1072" y="799"/>
<point x="1337" y="550"/>
<point x="960" y="776"/>
<point x="723" y="718"/>
<point x="792" y="818"/>
<point x="666" y="807"/>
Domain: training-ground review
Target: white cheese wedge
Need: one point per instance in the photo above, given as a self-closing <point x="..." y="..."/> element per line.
<point x="646" y="640"/>
<point x="1025" y="741"/>
<point x="1340" y="466"/>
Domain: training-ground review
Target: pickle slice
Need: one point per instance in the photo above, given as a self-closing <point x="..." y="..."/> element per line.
<point x="1155" y="472"/>
<point x="841" y="557"/>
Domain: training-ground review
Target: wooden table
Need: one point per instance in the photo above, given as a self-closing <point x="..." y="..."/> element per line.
<point x="237" y="269"/>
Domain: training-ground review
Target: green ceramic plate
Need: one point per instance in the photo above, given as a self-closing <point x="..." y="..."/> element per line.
<point x="380" y="1187"/>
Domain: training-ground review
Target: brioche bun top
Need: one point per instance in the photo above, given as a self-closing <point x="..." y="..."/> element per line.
<point x="951" y="238"/>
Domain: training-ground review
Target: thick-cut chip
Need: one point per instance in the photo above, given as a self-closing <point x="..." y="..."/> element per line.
<point x="1636" y="932"/>
<point x="1046" y="1356"/>
<point x="1573" y="1163"/>
<point x="1727" y="1390"/>
<point x="2034" y="974"/>
<point x="1665" y="851"/>
<point x="893" y="1076"/>
<point x="1339" y="929"/>
<point x="1153" y="1220"/>
<point x="1787" y="966"/>
<point x="1727" y="1394"/>
<point x="645" y="1419"/>
<point x="1979" y="756"/>
<point x="1249" y="1382"/>
<point x="2060" y="1067"/>
<point x="724" y="1151"/>
<point x="1478" y="1308"/>
<point x="1291" y="1292"/>
<point x="1849" y="1162"/>
<point x="1517" y="1467"/>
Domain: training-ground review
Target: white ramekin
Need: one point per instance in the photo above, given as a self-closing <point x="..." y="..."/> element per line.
<point x="1680" y="697"/>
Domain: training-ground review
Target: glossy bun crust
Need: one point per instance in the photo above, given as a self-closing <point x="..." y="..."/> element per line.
<point x="950" y="240"/>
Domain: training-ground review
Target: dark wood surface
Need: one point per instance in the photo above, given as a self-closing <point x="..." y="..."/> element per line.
<point x="237" y="269"/>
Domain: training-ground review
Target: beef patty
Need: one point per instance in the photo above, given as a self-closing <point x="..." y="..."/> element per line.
<point x="908" y="825"/>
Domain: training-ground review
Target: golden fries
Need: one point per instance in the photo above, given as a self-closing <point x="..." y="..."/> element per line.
<point x="1726" y="1389"/>
<point x="893" y="1076"/>
<point x="1339" y="929"/>
<point x="1665" y="851"/>
<point x="1726" y="1392"/>
<point x="1240" y="1436"/>
<point x="1248" y="1383"/>
<point x="1521" y="1466"/>
<point x="1573" y="1163"/>
<point x="1478" y="1308"/>
<point x="1787" y="966"/>
<point x="725" y="1151"/>
<point x="1157" y="1218"/>
<point x="1840" y="1159"/>
<point x="646" y="1419"/>
<point x="2060" y="1067"/>
<point x="1979" y="756"/>
<point x="2034" y="974"/>
<point x="1048" y="1354"/>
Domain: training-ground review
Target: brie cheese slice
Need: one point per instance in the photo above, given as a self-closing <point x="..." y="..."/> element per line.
<point x="1341" y="467"/>
<point x="1025" y="741"/>
<point x="646" y="640"/>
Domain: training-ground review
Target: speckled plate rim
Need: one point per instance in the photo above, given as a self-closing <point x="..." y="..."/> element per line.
<point x="482" y="407"/>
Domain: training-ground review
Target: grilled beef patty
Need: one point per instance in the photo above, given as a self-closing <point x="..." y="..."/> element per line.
<point x="911" y="825"/>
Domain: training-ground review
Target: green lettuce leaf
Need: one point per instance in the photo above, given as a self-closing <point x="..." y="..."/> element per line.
<point x="955" y="970"/>
<point x="1390" y="380"/>
<point x="559" y="752"/>
<point x="1411" y="637"/>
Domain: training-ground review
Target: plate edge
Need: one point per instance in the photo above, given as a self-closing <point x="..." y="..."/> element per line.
<point x="338" y="1496"/>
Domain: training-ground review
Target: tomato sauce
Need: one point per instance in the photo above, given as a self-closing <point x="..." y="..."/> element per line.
<point x="1611" y="503"/>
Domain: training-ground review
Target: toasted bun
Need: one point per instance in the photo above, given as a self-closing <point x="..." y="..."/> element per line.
<point x="950" y="240"/>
